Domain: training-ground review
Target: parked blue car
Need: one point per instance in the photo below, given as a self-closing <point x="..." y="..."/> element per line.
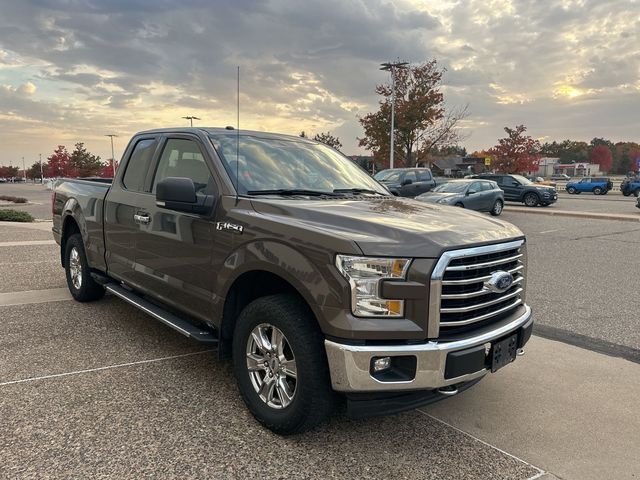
<point x="630" y="186"/>
<point x="597" y="185"/>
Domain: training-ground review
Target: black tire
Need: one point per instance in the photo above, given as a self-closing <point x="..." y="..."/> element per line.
<point x="83" y="288"/>
<point x="531" y="199"/>
<point x="497" y="208"/>
<point x="597" y="191"/>
<point x="571" y="190"/>
<point x="637" y="192"/>
<point x="459" y="205"/>
<point x="313" y="399"/>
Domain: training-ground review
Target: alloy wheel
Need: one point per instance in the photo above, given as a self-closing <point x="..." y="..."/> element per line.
<point x="75" y="268"/>
<point x="271" y="366"/>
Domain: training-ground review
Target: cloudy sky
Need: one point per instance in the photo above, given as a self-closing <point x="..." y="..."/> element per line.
<point x="74" y="70"/>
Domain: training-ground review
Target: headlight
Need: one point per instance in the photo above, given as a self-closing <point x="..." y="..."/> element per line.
<point x="443" y="200"/>
<point x="364" y="275"/>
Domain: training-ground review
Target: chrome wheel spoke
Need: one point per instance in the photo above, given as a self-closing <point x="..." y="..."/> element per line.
<point x="261" y="340"/>
<point x="289" y="368"/>
<point x="284" y="392"/>
<point x="256" y="362"/>
<point x="267" y="388"/>
<point x="277" y="341"/>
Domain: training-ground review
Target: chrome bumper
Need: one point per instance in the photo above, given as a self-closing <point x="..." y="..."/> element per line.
<point x="350" y="364"/>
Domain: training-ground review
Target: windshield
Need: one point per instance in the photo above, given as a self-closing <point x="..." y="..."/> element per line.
<point x="388" y="176"/>
<point x="283" y="164"/>
<point x="451" y="187"/>
<point x="521" y="179"/>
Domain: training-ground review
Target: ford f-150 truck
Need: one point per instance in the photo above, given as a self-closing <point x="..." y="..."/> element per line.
<point x="322" y="288"/>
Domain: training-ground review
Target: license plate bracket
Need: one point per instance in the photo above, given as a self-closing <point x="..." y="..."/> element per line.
<point x="503" y="352"/>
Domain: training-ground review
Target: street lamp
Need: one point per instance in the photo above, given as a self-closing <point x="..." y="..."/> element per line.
<point x="24" y="171"/>
<point x="191" y="118"/>
<point x="41" y="169"/>
<point x="391" y="67"/>
<point x="113" y="155"/>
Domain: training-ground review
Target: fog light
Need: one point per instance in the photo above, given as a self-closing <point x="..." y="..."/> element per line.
<point x="381" y="364"/>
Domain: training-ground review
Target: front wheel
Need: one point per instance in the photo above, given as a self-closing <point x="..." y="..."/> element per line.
<point x="82" y="286"/>
<point x="459" y="205"/>
<point x="531" y="200"/>
<point x="571" y="190"/>
<point x="280" y="365"/>
<point x="637" y="192"/>
<point x="497" y="208"/>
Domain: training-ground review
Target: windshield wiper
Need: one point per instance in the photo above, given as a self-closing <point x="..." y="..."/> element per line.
<point x="291" y="191"/>
<point x="358" y="190"/>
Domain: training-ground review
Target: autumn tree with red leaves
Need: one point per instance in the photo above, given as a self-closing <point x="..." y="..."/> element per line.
<point x="602" y="156"/>
<point x="516" y="153"/>
<point x="422" y="123"/>
<point x="58" y="163"/>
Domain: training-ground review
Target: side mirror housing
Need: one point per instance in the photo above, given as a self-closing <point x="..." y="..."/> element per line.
<point x="178" y="193"/>
<point x="471" y="192"/>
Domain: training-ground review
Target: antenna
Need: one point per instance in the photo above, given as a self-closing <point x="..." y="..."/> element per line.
<point x="238" y="134"/>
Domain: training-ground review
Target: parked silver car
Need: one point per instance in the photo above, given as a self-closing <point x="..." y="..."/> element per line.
<point x="480" y="195"/>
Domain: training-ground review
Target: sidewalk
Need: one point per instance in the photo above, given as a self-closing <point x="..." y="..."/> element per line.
<point x="571" y="213"/>
<point x="571" y="411"/>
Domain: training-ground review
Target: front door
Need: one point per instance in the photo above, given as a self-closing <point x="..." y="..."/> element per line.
<point x="174" y="250"/>
<point x="511" y="187"/>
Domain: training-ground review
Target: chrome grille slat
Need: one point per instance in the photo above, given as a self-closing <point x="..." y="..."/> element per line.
<point x="484" y="291"/>
<point x="483" y="265"/>
<point x="485" y="316"/>
<point x="459" y="297"/>
<point x="478" y="306"/>
<point x="468" y="281"/>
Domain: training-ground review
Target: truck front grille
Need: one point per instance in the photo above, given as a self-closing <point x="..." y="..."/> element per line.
<point x="460" y="299"/>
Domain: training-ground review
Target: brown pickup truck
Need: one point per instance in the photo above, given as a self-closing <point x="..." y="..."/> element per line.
<point x="323" y="288"/>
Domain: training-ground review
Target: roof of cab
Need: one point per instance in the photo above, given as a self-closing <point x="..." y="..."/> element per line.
<point x="225" y="131"/>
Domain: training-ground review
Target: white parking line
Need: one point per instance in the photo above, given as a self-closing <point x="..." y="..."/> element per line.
<point x="27" y="243"/>
<point x="26" y="297"/>
<point x="550" y="231"/>
<point x="537" y="475"/>
<point x="99" y="369"/>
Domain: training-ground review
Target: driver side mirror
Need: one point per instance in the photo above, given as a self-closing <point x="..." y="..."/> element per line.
<point x="407" y="181"/>
<point x="179" y="193"/>
<point x="471" y="192"/>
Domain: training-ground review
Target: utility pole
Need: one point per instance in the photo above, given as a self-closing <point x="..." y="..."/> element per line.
<point x="113" y="156"/>
<point x="41" y="169"/>
<point x="191" y="118"/>
<point x="24" y="171"/>
<point x="391" y="67"/>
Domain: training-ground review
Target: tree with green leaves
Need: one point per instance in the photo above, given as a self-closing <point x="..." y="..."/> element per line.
<point x="422" y="123"/>
<point x="83" y="163"/>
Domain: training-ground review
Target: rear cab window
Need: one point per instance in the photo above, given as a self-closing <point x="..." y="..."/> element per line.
<point x="138" y="165"/>
<point x="424" y="175"/>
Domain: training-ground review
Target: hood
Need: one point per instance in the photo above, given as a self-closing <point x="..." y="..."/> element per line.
<point x="390" y="226"/>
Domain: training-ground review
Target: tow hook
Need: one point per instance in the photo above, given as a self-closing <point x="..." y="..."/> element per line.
<point x="448" y="390"/>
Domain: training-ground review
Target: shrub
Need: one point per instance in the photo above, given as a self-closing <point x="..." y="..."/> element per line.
<point x="10" y="198"/>
<point x="14" y="216"/>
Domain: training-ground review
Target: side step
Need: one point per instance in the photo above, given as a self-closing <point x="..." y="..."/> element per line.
<point x="185" y="328"/>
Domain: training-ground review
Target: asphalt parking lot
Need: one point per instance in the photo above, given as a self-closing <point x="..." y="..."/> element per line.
<point x="101" y="389"/>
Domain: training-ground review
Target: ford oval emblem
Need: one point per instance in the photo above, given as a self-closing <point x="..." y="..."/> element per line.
<point x="499" y="282"/>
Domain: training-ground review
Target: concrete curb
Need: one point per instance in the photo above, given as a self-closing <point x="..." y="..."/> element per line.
<point x="569" y="213"/>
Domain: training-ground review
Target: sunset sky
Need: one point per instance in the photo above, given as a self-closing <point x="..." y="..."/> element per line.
<point x="76" y="70"/>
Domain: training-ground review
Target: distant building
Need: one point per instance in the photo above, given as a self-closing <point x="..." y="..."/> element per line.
<point x="577" y="169"/>
<point x="546" y="166"/>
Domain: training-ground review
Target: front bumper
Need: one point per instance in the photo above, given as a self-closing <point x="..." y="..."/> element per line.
<point x="350" y="365"/>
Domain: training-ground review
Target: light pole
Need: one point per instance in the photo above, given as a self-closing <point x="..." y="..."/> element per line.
<point x="113" y="155"/>
<point x="24" y="171"/>
<point x="391" y="67"/>
<point x="41" y="169"/>
<point x="191" y="118"/>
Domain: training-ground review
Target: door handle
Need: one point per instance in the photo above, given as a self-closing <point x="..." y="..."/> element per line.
<point x="143" y="219"/>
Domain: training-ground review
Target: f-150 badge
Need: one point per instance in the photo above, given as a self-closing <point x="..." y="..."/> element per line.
<point x="232" y="227"/>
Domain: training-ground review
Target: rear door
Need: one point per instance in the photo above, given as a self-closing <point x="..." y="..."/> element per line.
<point x="424" y="181"/>
<point x="123" y="205"/>
<point x="487" y="195"/>
<point x="174" y="249"/>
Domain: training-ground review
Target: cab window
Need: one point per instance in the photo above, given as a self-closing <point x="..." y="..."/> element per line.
<point x="183" y="158"/>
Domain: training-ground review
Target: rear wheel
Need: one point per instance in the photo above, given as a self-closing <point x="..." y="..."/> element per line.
<point x="280" y="365"/>
<point x="597" y="191"/>
<point x="81" y="285"/>
<point x="531" y="200"/>
<point x="497" y="208"/>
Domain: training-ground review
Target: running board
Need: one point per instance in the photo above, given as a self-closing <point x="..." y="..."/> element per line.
<point x="185" y="328"/>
